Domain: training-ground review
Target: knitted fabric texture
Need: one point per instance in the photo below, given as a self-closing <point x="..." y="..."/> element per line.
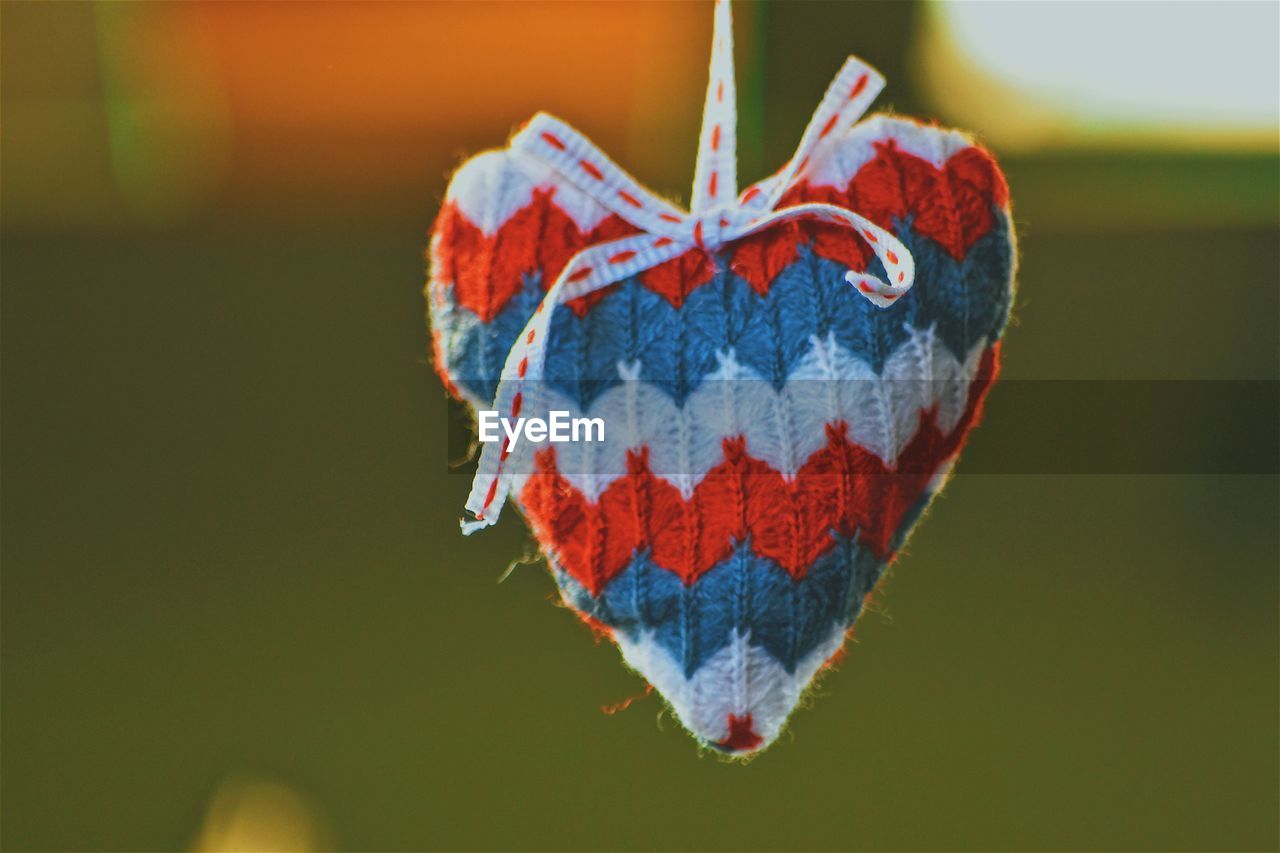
<point x="790" y="375"/>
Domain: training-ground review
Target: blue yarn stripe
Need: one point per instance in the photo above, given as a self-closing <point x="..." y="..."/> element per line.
<point x="966" y="301"/>
<point x="744" y="593"/>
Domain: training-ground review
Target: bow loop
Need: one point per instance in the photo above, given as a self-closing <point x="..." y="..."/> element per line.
<point x="846" y="99"/>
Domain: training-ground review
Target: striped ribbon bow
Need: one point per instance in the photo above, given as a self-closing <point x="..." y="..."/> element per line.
<point x="717" y="215"/>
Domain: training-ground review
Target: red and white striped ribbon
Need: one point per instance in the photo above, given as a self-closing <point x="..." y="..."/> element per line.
<point x="716" y="217"/>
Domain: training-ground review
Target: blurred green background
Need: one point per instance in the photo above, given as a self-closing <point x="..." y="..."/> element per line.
<point x="237" y="611"/>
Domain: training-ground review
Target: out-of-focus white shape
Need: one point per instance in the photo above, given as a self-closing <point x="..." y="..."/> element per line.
<point x="1177" y="71"/>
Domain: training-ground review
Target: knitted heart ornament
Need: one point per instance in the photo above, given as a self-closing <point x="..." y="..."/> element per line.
<point x="783" y="377"/>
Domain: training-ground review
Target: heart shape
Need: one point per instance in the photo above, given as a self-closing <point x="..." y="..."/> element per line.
<point x="775" y="432"/>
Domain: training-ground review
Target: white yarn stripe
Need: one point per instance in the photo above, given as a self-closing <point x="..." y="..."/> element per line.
<point x="684" y="443"/>
<point x="492" y="187"/>
<point x="739" y="679"/>
<point x="836" y="161"/>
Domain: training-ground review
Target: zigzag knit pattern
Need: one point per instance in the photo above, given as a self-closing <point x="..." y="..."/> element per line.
<point x="775" y="435"/>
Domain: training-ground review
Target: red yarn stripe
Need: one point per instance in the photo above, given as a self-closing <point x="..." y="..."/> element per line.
<point x="951" y="205"/>
<point x="741" y="499"/>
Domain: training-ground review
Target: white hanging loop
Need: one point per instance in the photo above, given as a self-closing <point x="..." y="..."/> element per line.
<point x="715" y="177"/>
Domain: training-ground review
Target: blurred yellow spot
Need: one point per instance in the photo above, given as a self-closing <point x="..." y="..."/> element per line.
<point x="257" y="815"/>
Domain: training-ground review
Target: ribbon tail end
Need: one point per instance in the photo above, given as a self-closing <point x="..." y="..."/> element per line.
<point x="474" y="525"/>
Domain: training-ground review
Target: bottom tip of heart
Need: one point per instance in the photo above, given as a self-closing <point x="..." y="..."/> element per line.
<point x="739" y="700"/>
<point x="742" y="738"/>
